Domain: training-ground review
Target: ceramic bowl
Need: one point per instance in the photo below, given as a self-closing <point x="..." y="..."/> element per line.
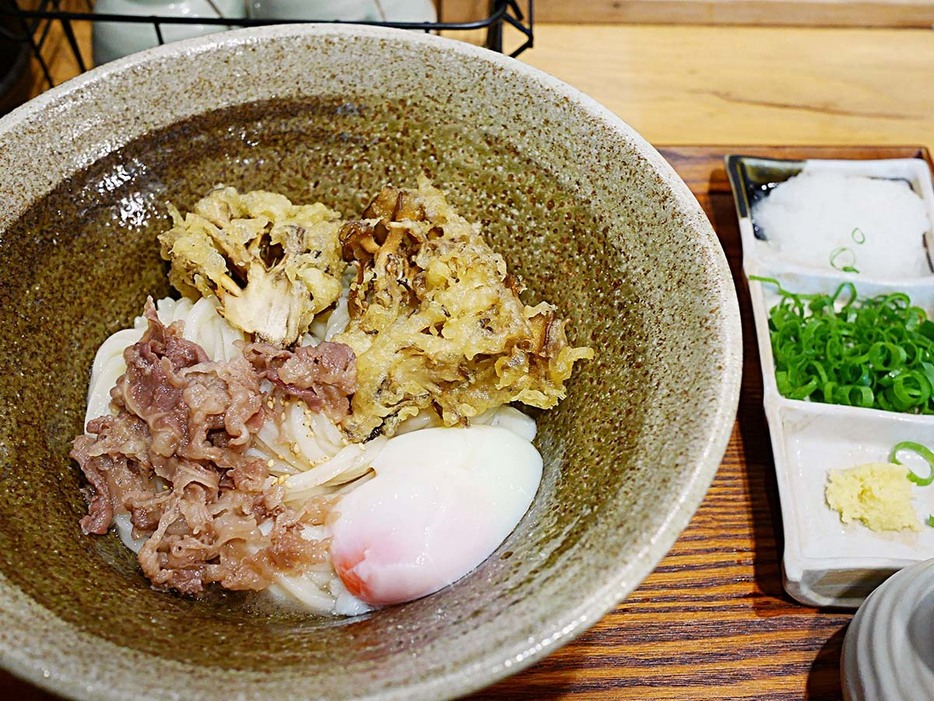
<point x="888" y="650"/>
<point x="585" y="211"/>
<point x="111" y="40"/>
<point x="345" y="10"/>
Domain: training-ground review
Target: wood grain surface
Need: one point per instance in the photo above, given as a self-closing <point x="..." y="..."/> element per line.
<point x="751" y="85"/>
<point x="717" y="85"/>
<point x="802" y="13"/>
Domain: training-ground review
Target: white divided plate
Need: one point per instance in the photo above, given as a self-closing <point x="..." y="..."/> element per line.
<point x="826" y="562"/>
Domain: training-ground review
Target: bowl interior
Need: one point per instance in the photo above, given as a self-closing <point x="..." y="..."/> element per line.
<point x="586" y="214"/>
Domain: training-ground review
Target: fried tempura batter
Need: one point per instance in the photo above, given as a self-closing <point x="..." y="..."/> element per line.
<point x="436" y="321"/>
<point x="272" y="264"/>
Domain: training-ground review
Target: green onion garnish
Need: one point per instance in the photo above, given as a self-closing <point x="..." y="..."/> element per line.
<point x="843" y="259"/>
<point x="921" y="450"/>
<point x="875" y="352"/>
<point x="858" y="236"/>
<point x="930" y="521"/>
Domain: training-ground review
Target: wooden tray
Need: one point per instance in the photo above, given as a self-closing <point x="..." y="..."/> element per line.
<point x="712" y="621"/>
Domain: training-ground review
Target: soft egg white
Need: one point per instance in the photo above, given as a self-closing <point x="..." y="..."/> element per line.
<point x="442" y="500"/>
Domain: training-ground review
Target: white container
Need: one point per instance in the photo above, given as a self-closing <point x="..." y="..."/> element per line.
<point x="345" y="10"/>
<point x="888" y="651"/>
<point x="826" y="562"/>
<point x="112" y="40"/>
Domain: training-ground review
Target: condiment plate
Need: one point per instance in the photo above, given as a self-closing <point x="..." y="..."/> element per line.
<point x="825" y="561"/>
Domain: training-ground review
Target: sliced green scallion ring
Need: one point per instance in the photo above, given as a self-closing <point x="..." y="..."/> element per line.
<point x="910" y="389"/>
<point x="843" y="259"/>
<point x="886" y="356"/>
<point x="921" y="450"/>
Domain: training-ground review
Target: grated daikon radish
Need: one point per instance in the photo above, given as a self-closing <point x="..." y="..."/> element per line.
<point x="847" y="223"/>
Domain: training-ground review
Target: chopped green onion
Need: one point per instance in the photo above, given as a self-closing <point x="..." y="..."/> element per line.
<point x="858" y="236"/>
<point x="886" y="356"/>
<point x="930" y="521"/>
<point x="874" y="352"/>
<point x="921" y="450"/>
<point x="848" y="264"/>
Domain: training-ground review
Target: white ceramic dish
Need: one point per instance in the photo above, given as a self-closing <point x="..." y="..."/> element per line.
<point x="826" y="562"/>
<point x="112" y="40"/>
<point x="345" y="10"/>
<point x="761" y="257"/>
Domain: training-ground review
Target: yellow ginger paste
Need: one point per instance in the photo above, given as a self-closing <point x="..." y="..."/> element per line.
<point x="877" y="494"/>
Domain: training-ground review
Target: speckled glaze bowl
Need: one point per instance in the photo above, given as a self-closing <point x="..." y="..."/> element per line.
<point x="586" y="212"/>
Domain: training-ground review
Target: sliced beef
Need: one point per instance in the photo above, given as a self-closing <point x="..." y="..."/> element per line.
<point x="173" y="456"/>
<point x="322" y="376"/>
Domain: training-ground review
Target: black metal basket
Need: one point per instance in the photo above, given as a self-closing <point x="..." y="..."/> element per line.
<point x="37" y="19"/>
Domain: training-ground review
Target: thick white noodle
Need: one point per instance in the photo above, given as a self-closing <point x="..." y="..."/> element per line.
<point x="509" y="418"/>
<point x="328" y="324"/>
<point x="338" y="319"/>
<point x="107" y="368"/>
<point x="350" y="463"/>
<point x="505" y="416"/>
<point x="125" y="531"/>
<point x="305" y="449"/>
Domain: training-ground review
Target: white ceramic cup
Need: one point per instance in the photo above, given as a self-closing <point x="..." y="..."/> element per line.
<point x="115" y="39"/>
<point x="345" y="10"/>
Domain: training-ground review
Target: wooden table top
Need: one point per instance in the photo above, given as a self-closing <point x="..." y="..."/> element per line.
<point x="725" y="85"/>
<point x="713" y="621"/>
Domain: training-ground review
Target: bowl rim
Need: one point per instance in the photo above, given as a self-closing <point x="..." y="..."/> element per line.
<point x="568" y="623"/>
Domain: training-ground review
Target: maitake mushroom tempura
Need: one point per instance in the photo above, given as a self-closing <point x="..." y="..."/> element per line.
<point x="325" y="414"/>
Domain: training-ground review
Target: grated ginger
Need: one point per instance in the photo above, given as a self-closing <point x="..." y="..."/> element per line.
<point x="877" y="494"/>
